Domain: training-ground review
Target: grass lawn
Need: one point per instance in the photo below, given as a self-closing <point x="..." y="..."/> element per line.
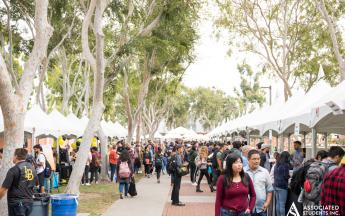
<point x="97" y="198"/>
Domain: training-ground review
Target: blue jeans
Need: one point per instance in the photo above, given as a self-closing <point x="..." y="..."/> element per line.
<point x="260" y="214"/>
<point x="112" y="171"/>
<point x="224" y="212"/>
<point x="20" y="209"/>
<point x="280" y="197"/>
<point x="121" y="185"/>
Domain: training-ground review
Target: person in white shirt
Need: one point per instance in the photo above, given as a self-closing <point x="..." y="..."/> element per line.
<point x="40" y="166"/>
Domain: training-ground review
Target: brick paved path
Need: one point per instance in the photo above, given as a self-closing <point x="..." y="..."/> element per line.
<point x="197" y="204"/>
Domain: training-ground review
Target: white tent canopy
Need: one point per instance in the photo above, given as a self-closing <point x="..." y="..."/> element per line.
<point x="320" y="108"/>
<point x="180" y="132"/>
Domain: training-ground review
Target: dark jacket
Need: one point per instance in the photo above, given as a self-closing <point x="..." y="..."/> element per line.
<point x="281" y="175"/>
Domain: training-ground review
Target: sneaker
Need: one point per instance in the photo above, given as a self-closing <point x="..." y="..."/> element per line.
<point x="87" y="184"/>
<point x="96" y="182"/>
<point x="83" y="184"/>
<point x="158" y="181"/>
<point x="194" y="183"/>
<point x="121" y="197"/>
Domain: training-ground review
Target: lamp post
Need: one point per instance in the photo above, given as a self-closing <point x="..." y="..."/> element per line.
<point x="270" y="91"/>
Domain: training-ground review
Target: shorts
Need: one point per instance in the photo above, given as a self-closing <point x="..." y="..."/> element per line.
<point x="40" y="178"/>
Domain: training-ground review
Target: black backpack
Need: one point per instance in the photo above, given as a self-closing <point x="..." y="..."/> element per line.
<point x="47" y="169"/>
<point x="214" y="159"/>
<point x="171" y="166"/>
<point x="298" y="177"/>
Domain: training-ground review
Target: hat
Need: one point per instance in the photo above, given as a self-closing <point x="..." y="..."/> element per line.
<point x="343" y="160"/>
<point x="265" y="146"/>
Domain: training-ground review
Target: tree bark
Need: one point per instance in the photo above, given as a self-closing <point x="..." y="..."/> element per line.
<point x="14" y="100"/>
<point x="97" y="64"/>
<point x="332" y="32"/>
<point x="104" y="177"/>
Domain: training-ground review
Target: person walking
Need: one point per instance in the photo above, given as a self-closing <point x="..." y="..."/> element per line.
<point x="201" y="163"/>
<point x="192" y="166"/>
<point x="113" y="156"/>
<point x="233" y="189"/>
<point x="147" y="160"/>
<point x="124" y="172"/>
<point x="281" y="178"/>
<point x="158" y="163"/>
<point x="40" y="166"/>
<point x="19" y="185"/>
<point x="262" y="183"/>
<point x="175" y="194"/>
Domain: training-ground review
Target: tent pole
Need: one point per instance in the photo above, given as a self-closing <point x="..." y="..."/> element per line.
<point x="304" y="144"/>
<point x="326" y="141"/>
<point x="289" y="142"/>
<point x="33" y="142"/>
<point x="314" y="142"/>
<point x="248" y="137"/>
<point x="281" y="142"/>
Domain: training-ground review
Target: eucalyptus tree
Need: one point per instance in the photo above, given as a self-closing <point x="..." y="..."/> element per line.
<point x="15" y="91"/>
<point x="250" y="94"/>
<point x="286" y="35"/>
<point x="169" y="44"/>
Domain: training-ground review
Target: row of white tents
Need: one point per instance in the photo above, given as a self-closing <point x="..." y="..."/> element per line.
<point x="320" y="110"/>
<point x="56" y="124"/>
<point x="183" y="133"/>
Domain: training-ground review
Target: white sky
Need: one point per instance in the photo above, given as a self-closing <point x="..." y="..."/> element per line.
<point x="213" y="67"/>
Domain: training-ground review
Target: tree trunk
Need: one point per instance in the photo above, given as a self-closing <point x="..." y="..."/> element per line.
<point x="138" y="135"/>
<point x="13" y="134"/>
<point x="104" y="177"/>
<point x="97" y="8"/>
<point x="14" y="100"/>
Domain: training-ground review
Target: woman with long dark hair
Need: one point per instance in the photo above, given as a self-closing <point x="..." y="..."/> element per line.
<point x="233" y="189"/>
<point x="124" y="172"/>
<point x="281" y="178"/>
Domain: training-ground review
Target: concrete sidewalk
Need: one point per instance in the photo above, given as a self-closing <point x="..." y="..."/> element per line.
<point x="150" y="200"/>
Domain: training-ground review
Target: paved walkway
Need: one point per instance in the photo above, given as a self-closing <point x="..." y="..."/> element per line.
<point x="197" y="204"/>
<point x="150" y="200"/>
<point x="154" y="200"/>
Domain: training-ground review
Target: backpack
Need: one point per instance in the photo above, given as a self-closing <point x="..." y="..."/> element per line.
<point x="48" y="169"/>
<point x="124" y="171"/>
<point x="313" y="181"/>
<point x="158" y="161"/>
<point x="214" y="159"/>
<point x="298" y="177"/>
<point x="224" y="157"/>
<point x="171" y="166"/>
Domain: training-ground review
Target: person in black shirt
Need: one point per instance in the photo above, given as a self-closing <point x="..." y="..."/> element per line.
<point x="19" y="185"/>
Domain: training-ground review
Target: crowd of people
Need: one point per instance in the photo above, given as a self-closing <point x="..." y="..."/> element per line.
<point x="247" y="180"/>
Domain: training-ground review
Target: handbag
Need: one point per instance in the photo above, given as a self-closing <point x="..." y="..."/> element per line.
<point x="182" y="171"/>
<point x="132" y="189"/>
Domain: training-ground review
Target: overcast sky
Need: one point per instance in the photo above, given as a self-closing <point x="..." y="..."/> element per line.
<point x="213" y="67"/>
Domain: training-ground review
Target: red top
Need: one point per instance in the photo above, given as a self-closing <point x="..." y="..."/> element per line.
<point x="113" y="156"/>
<point x="235" y="196"/>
